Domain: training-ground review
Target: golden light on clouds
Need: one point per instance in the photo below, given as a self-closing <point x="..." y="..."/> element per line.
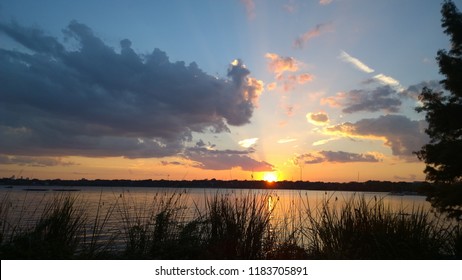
<point x="247" y="143"/>
<point x="279" y="64"/>
<point x="235" y="62"/>
<point x="318" y="119"/>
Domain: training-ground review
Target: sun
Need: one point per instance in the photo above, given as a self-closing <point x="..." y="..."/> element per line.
<point x="270" y="177"/>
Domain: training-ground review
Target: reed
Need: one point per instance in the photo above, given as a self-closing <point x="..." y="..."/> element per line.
<point x="56" y="235"/>
<point x="237" y="227"/>
<point x="5" y="206"/>
<point x="288" y="240"/>
<point x="362" y="229"/>
<point x="227" y="226"/>
<point x="152" y="228"/>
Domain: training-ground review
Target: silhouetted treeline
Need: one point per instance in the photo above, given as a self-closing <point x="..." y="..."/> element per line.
<point x="371" y="186"/>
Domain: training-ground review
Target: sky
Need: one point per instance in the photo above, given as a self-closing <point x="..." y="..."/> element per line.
<point x="314" y="90"/>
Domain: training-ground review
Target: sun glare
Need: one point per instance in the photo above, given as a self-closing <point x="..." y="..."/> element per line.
<point x="270" y="177"/>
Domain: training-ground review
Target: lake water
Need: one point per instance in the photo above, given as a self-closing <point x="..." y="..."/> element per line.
<point x="25" y="204"/>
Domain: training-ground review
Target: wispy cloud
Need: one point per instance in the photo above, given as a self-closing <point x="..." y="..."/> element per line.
<point x="325" y="2"/>
<point x="312" y="33"/>
<point x="324" y="141"/>
<point x="387" y="80"/>
<point x="286" y="140"/>
<point x="381" y="78"/>
<point x="290" y="7"/>
<point x="344" y="56"/>
<point x="250" y="8"/>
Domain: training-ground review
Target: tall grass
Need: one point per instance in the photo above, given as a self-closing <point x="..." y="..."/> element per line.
<point x="237" y="227"/>
<point x="362" y="229"/>
<point x="5" y="206"/>
<point x="227" y="226"/>
<point x="152" y="228"/>
<point x="56" y="235"/>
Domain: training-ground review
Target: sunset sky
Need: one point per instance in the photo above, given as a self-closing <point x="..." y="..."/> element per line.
<point x="301" y="89"/>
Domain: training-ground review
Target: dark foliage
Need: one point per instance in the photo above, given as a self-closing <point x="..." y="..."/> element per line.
<point x="443" y="155"/>
<point x="57" y="235"/>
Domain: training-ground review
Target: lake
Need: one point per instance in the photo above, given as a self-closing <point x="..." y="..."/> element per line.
<point x="32" y="198"/>
<point x="121" y="206"/>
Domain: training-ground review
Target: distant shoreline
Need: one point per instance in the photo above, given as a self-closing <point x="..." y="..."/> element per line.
<point x="414" y="188"/>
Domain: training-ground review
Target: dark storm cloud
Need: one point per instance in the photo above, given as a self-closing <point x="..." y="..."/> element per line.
<point x="341" y="156"/>
<point x="334" y="156"/>
<point x="226" y="159"/>
<point x="381" y="98"/>
<point x="400" y="133"/>
<point x="414" y="91"/>
<point x="93" y="101"/>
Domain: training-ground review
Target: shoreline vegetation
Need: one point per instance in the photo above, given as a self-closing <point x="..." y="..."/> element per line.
<point x="414" y="188"/>
<point x="228" y="227"/>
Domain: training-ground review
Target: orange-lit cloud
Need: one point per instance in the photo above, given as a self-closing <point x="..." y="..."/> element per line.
<point x="289" y="82"/>
<point x="334" y="101"/>
<point x="253" y="90"/>
<point x="304" y="78"/>
<point x="278" y="64"/>
<point x="271" y="86"/>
